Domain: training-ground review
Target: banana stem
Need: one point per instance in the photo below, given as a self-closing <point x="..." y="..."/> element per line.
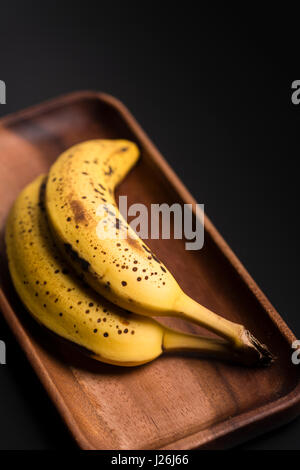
<point x="189" y="309"/>
<point x="175" y="341"/>
<point x="240" y="339"/>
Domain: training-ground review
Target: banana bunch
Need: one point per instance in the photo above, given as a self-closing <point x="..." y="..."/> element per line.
<point x="82" y="272"/>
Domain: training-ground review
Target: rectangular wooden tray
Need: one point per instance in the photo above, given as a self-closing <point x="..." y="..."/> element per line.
<point x="174" y="402"/>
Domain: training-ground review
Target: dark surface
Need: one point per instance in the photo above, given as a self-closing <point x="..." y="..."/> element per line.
<point x="224" y="79"/>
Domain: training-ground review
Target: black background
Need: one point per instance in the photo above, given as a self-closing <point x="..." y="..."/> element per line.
<point x="213" y="91"/>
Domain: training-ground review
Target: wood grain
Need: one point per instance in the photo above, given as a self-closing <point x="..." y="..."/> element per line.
<point x="175" y="402"/>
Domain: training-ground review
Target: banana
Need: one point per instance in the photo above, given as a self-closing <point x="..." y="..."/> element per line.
<point x="95" y="238"/>
<point x="57" y="298"/>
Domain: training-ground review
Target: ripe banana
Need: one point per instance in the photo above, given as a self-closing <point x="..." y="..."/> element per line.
<point x="58" y="299"/>
<point x="81" y="207"/>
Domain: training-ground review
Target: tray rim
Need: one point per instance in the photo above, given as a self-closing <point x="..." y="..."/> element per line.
<point x="284" y="408"/>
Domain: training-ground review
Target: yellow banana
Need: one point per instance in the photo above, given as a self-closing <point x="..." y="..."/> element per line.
<point x="80" y="205"/>
<point x="58" y="299"/>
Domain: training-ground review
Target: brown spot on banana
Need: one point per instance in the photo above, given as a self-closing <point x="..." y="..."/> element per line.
<point x="133" y="243"/>
<point x="78" y="211"/>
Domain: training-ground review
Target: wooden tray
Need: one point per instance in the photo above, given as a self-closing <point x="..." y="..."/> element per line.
<point x="174" y="402"/>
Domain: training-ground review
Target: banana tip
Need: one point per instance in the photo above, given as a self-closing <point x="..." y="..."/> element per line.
<point x="262" y="356"/>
